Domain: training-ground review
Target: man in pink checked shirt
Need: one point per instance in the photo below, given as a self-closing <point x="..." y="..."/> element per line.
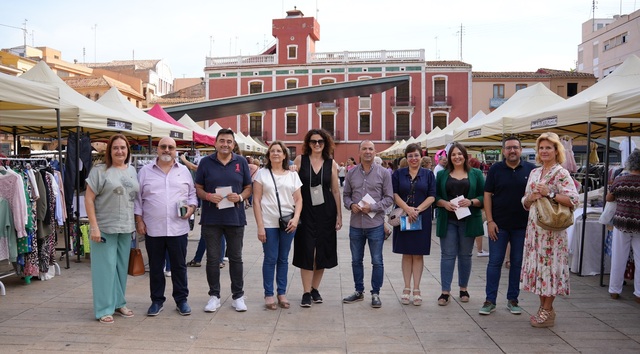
<point x="166" y="200"/>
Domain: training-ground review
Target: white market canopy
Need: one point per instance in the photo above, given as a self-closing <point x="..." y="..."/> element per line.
<point x="214" y="129"/>
<point x="387" y="151"/>
<point x="115" y="100"/>
<point x="624" y="104"/>
<point x="445" y="136"/>
<point x="589" y="106"/>
<point x="495" y="124"/>
<point x="17" y="93"/>
<point x="190" y="124"/>
<point x="75" y="110"/>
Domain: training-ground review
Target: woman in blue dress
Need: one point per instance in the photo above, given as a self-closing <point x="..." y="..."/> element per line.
<point x="414" y="190"/>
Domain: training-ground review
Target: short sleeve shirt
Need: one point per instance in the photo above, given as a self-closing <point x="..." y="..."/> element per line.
<point x="507" y="186"/>
<point x="213" y="174"/>
<point x="116" y="190"/>
<point x="287" y="185"/>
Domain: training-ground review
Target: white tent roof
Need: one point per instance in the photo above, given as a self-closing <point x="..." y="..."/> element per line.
<point x="115" y="100"/>
<point x="399" y="150"/>
<point x="257" y="146"/>
<point x="190" y="124"/>
<point x="214" y="129"/>
<point x="495" y="123"/>
<point x="388" y="150"/>
<point x="434" y="132"/>
<point x="624" y="104"/>
<point x="420" y="139"/>
<point x="446" y="135"/>
<point x="18" y="93"/>
<point x="75" y="109"/>
<point x="243" y="143"/>
<point x="589" y="105"/>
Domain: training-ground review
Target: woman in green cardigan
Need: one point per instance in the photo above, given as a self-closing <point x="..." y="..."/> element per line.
<point x="457" y="234"/>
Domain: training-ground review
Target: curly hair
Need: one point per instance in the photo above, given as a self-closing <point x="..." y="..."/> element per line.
<point x="108" y="161"/>
<point x="285" y="151"/>
<point x="633" y="161"/>
<point x="327" y="150"/>
<point x="554" y="139"/>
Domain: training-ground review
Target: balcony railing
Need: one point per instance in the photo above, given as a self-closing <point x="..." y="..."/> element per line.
<point x="402" y="101"/>
<point x="327" y="105"/>
<point x="496" y="102"/>
<point x="242" y="60"/>
<point x="439" y="101"/>
<point x="368" y="56"/>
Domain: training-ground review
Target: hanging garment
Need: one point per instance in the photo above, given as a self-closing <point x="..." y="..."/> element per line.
<point x="593" y="156"/>
<point x="72" y="171"/>
<point x="570" y="160"/>
<point x="624" y="149"/>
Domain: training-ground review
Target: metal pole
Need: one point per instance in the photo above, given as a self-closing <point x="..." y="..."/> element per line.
<point x="586" y="199"/>
<point x="604" y="193"/>
<point x="66" y="234"/>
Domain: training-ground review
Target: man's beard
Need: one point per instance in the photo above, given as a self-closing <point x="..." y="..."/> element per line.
<point x="166" y="158"/>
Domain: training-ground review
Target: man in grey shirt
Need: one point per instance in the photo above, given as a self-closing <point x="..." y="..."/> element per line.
<point x="368" y="192"/>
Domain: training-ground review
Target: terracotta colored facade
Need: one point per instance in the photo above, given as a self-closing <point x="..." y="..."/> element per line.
<point x="438" y="92"/>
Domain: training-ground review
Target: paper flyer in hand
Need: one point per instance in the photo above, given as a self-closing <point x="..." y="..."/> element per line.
<point x="225" y="203"/>
<point x="369" y="200"/>
<point x="461" y="212"/>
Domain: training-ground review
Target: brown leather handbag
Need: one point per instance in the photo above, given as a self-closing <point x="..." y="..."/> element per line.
<point x="552" y="215"/>
<point x="136" y="263"/>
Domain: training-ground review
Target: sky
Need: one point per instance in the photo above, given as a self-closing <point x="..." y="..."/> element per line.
<point x="497" y="35"/>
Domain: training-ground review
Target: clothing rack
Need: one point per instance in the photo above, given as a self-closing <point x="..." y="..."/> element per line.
<point x="11" y="161"/>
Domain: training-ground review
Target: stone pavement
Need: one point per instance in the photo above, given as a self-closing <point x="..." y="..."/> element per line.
<point x="57" y="316"/>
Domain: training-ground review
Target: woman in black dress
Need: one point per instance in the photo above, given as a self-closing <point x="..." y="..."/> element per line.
<point x="315" y="244"/>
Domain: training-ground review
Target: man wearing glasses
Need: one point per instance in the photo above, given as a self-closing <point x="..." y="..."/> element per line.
<point x="506" y="222"/>
<point x="162" y="209"/>
<point x="223" y="182"/>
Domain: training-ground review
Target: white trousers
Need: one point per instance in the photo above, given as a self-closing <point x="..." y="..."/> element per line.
<point x="621" y="243"/>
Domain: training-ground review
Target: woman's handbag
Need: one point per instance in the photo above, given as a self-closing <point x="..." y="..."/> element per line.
<point x="609" y="211"/>
<point x="395" y="216"/>
<point x="136" y="263"/>
<point x="553" y="216"/>
<point x="283" y="221"/>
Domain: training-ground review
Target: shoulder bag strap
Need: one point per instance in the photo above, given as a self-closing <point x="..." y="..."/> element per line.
<point x="277" y="196"/>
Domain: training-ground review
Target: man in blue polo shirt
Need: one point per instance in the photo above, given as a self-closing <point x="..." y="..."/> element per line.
<point x="506" y="222"/>
<point x="223" y="182"/>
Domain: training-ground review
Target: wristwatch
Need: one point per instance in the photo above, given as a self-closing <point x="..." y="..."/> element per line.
<point x="551" y="195"/>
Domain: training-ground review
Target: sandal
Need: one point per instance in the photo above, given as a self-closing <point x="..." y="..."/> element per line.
<point x="544" y="318"/>
<point x="507" y="264"/>
<point x="464" y="296"/>
<point x="222" y="265"/>
<point x="283" y="302"/>
<point x="417" y="299"/>
<point x="443" y="300"/>
<point x="106" y="319"/>
<point x="124" y="312"/>
<point x="270" y="305"/>
<point x="405" y="297"/>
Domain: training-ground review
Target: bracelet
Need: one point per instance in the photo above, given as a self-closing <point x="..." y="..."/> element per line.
<point x="241" y="199"/>
<point x="207" y="197"/>
<point x="489" y="222"/>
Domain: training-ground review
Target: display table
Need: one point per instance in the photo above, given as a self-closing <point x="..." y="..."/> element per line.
<point x="592" y="243"/>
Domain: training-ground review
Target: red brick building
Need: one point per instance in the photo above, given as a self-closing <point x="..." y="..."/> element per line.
<point x="438" y="91"/>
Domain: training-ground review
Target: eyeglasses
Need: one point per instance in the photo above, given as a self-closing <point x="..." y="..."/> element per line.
<point x="167" y="147"/>
<point x="512" y="148"/>
<point x="318" y="142"/>
<point x="416" y="156"/>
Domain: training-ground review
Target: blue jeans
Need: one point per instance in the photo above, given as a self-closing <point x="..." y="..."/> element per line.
<point x="276" y="260"/>
<point x="202" y="246"/>
<point x="497" y="250"/>
<point x="157" y="248"/>
<point x="453" y="245"/>
<point x="358" y="237"/>
<point x="213" y="235"/>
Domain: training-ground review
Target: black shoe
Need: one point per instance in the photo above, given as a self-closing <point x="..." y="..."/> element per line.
<point x="306" y="300"/>
<point x="183" y="308"/>
<point x="315" y="295"/>
<point x="375" y="301"/>
<point x="154" y="309"/>
<point x="356" y="296"/>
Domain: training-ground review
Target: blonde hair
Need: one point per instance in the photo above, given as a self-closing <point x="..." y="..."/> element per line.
<point x="555" y="140"/>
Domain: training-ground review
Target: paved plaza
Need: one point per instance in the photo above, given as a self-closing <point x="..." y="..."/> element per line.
<point x="56" y="315"/>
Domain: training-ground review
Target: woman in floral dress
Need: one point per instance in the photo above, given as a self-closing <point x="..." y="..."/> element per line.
<point x="545" y="266"/>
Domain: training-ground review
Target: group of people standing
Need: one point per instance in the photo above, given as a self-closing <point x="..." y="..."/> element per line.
<point x="301" y="205"/>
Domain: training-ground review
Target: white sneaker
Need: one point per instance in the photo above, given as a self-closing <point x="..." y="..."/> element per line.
<point x="167" y="274"/>
<point x="213" y="304"/>
<point x="483" y="253"/>
<point x="239" y="304"/>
